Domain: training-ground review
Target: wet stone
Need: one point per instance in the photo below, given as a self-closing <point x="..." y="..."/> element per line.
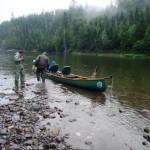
<point x="19" y="138"/>
<point x="20" y="94"/>
<point x="58" y="101"/>
<point x="45" y="97"/>
<point x="3" y="132"/>
<point x="14" y="97"/>
<point x="72" y="120"/>
<point x="88" y="142"/>
<point x="14" y="147"/>
<point x="62" y="115"/>
<point x="111" y="114"/>
<point x="8" y="119"/>
<point x="37" y="92"/>
<point x="55" y="131"/>
<point x="2" y="94"/>
<point x="1" y="119"/>
<point x="76" y="103"/>
<point x="45" y="107"/>
<point x="29" y="142"/>
<point x="53" y="146"/>
<point x="35" y="141"/>
<point x="29" y="148"/>
<point x="22" y="113"/>
<point x="35" y="118"/>
<point x="52" y="116"/>
<point x="36" y="108"/>
<point x="2" y="141"/>
<point x="51" y="110"/>
<point x="68" y="101"/>
<point x="90" y="114"/>
<point x="147" y="137"/>
<point x="12" y="109"/>
<point x="42" y="127"/>
<point x="146" y="129"/>
<point x="40" y="147"/>
<point x="50" y="146"/>
<point x="10" y="127"/>
<point x="29" y="84"/>
<point x="67" y="135"/>
<point x="145" y="113"/>
<point x="46" y="114"/>
<point x="58" y="139"/>
<point x="15" y="118"/>
<point x="144" y="143"/>
<point x="48" y="123"/>
<point x="120" y="111"/>
<point x="19" y="129"/>
<point x="28" y="136"/>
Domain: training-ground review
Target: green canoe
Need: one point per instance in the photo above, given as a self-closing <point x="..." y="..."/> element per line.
<point x="64" y="77"/>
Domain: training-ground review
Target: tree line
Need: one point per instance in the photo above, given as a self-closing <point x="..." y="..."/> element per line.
<point x="123" y="27"/>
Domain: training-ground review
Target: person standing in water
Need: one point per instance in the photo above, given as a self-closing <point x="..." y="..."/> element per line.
<point x="42" y="64"/>
<point x="19" y="69"/>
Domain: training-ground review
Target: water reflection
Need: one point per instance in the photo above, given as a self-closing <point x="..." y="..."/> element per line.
<point x="95" y="97"/>
<point x="99" y="99"/>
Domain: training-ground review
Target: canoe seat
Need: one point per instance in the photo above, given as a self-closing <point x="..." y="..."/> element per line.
<point x="53" y="69"/>
<point x="66" y="70"/>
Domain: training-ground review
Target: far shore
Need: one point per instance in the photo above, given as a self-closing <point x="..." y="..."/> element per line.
<point x="122" y="55"/>
<point x="108" y="54"/>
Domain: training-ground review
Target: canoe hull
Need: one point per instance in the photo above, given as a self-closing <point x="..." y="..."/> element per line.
<point x="98" y="84"/>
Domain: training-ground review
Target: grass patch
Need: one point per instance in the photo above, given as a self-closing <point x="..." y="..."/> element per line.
<point x="121" y="55"/>
<point x="85" y="54"/>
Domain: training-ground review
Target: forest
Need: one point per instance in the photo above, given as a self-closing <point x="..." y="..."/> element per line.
<point x="122" y="27"/>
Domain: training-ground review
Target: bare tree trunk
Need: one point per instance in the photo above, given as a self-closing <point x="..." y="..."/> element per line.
<point x="65" y="50"/>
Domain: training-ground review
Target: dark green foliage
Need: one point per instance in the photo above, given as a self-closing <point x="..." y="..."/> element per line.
<point x="124" y="26"/>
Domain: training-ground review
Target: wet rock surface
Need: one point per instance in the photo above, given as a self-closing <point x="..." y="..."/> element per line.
<point x="37" y="119"/>
<point x="21" y="128"/>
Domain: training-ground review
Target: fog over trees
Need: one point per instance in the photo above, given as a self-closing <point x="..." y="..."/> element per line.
<point x="123" y="26"/>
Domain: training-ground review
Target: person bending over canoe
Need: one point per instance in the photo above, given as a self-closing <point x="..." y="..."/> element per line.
<point x="42" y="64"/>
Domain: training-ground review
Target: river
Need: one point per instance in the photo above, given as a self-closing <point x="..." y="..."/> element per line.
<point x="109" y="121"/>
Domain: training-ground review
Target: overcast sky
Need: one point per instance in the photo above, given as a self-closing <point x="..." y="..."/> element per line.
<point x="25" y="7"/>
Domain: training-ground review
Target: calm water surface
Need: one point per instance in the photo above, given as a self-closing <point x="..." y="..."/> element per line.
<point x="131" y="77"/>
<point x="129" y="90"/>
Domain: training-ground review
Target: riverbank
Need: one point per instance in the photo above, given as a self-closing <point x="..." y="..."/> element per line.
<point x="39" y="117"/>
<point x="120" y="55"/>
<point x="108" y="54"/>
<point x="23" y="119"/>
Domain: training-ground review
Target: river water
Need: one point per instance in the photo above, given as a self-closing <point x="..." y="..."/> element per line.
<point x="108" y="121"/>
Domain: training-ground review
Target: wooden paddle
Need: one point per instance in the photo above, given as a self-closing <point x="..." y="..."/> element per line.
<point x="94" y="73"/>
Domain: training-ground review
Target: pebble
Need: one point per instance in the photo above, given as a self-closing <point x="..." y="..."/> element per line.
<point x="88" y="142"/>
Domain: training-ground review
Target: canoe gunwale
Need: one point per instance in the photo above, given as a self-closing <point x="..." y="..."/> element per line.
<point x="74" y="77"/>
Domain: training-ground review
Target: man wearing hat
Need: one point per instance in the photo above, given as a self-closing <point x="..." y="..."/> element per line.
<point x="19" y="69"/>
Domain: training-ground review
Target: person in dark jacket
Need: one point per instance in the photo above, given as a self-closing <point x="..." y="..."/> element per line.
<point x="42" y="63"/>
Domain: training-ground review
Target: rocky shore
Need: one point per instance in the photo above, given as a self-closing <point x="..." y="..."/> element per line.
<point x="21" y="121"/>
